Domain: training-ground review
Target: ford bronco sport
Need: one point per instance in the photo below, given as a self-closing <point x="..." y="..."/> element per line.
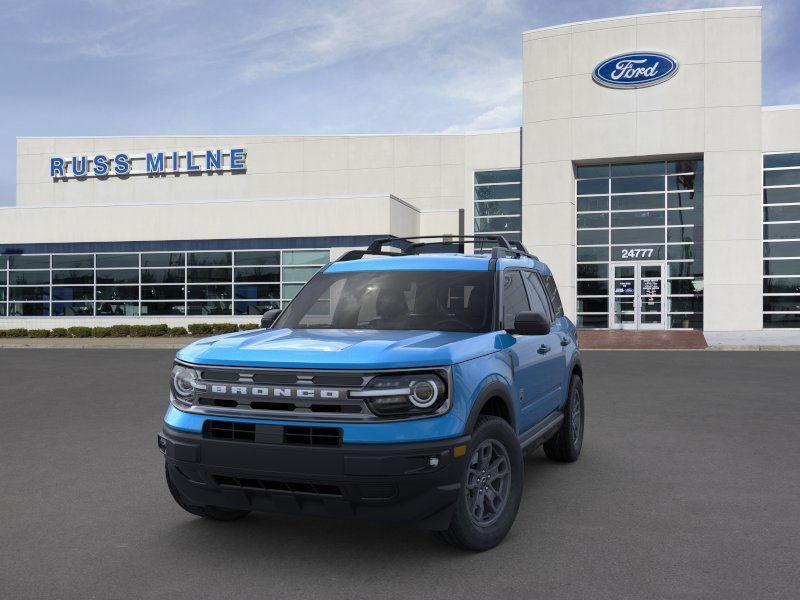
<point x="400" y="384"/>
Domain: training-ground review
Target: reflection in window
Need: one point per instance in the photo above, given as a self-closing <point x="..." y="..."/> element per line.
<point x="498" y="204"/>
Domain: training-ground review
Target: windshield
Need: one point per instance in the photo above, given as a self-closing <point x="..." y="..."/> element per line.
<point x="429" y="300"/>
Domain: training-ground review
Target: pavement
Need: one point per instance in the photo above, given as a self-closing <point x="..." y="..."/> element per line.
<point x="688" y="487"/>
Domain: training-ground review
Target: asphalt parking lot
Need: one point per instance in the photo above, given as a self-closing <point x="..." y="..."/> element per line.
<point x="688" y="487"/>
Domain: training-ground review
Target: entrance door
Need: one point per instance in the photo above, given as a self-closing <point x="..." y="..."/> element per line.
<point x="636" y="298"/>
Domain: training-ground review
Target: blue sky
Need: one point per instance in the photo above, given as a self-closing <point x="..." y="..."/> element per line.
<point x="152" y="67"/>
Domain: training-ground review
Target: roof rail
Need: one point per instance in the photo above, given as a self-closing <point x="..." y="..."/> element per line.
<point x="412" y="246"/>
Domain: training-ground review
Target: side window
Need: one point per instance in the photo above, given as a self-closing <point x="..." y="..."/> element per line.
<point x="555" y="299"/>
<point x="515" y="299"/>
<point x="537" y="295"/>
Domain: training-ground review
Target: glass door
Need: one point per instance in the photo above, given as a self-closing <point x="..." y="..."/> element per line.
<point x="637" y="295"/>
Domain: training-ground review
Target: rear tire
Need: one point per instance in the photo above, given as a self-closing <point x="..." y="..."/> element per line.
<point x="491" y="488"/>
<point x="566" y="444"/>
<point x="216" y="513"/>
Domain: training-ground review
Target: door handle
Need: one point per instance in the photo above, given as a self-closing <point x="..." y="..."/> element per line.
<point x="565" y="341"/>
<point x="543" y="349"/>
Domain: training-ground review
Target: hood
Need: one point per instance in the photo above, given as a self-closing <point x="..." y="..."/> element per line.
<point x="339" y="348"/>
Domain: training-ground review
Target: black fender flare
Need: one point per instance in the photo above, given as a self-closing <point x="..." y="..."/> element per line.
<point x="493" y="389"/>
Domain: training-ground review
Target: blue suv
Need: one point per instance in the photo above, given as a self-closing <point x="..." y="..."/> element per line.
<point x="402" y="383"/>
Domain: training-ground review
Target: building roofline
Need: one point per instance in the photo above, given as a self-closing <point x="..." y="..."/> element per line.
<point x="781" y="107"/>
<point x="652" y="14"/>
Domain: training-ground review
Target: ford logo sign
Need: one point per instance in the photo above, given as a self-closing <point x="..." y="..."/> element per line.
<point x="635" y="70"/>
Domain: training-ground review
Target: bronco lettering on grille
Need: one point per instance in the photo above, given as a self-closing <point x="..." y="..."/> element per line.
<point x="275" y="392"/>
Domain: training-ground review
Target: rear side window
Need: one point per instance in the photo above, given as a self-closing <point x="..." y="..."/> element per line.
<point x="555" y="299"/>
<point x="515" y="299"/>
<point x="537" y="295"/>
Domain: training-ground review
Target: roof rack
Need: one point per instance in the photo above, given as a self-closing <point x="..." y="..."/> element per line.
<point x="502" y="249"/>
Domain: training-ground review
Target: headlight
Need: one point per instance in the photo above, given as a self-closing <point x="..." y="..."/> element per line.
<point x="406" y="394"/>
<point x="183" y="384"/>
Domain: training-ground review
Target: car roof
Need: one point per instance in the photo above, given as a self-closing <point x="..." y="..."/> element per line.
<point x="435" y="262"/>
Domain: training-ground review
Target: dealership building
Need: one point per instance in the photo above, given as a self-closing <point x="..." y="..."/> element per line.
<point x="645" y="172"/>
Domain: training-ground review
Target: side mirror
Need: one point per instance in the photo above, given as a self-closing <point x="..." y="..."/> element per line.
<point x="531" y="323"/>
<point x="269" y="317"/>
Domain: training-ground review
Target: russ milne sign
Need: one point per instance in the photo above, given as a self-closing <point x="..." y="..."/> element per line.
<point x="151" y="163"/>
<point x="635" y="70"/>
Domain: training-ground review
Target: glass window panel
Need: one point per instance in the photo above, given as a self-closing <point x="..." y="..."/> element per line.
<point x="638" y="252"/>
<point x="3" y="308"/>
<point x="29" y="261"/>
<point x="306" y="257"/>
<point x="113" y="261"/>
<point x="686" y="321"/>
<point x="684" y="166"/>
<point x="592" y="271"/>
<point x="496" y="192"/>
<point x="217" y="275"/>
<point x="73" y="277"/>
<point x="637" y="202"/>
<point x="73" y="261"/>
<point x="257" y="274"/>
<point x="776" y="321"/>
<point x="221" y="307"/>
<point x="648" y="168"/>
<point x="592" y="254"/>
<point x="593" y="305"/>
<point x="118" y="276"/>
<point x="782" y="195"/>
<point x="498" y="176"/>
<point x="515" y="298"/>
<point x="84" y="292"/>
<point x="209" y="292"/>
<point x="680" y="234"/>
<point x="684" y="182"/>
<point x="2" y="277"/>
<point x="164" y="259"/>
<point x="685" y="286"/>
<point x="29" y="293"/>
<point x="29" y="277"/>
<point x="209" y="259"/>
<point x="782" y="231"/>
<point x="73" y="309"/>
<point x="636" y="184"/>
<point x="290" y="290"/>
<point x="117" y="309"/>
<point x="592" y="236"/>
<point x="593" y="321"/>
<point x="162" y="292"/>
<point x="684" y="217"/>
<point x="498" y="224"/>
<point x="593" y="220"/>
<point x="782" y="303"/>
<point x="694" y="304"/>
<point x="3" y="262"/>
<point x="782" y="213"/>
<point x="680" y="252"/>
<point x="555" y="296"/>
<point x="117" y="292"/>
<point x="779" y="249"/>
<point x="506" y="207"/>
<point x="587" y="171"/>
<point x="592" y="288"/>
<point x="254" y="307"/>
<point x="782" y="285"/>
<point x="592" y="186"/>
<point x="162" y="308"/>
<point x="789" y="159"/>
<point x="299" y="274"/>
<point x="163" y="276"/>
<point x="597" y="203"/>
<point x="637" y="219"/>
<point x="2" y="294"/>
<point x="782" y="267"/>
<point x="259" y="257"/>
<point x="637" y="236"/>
<point x="681" y="269"/>
<point x="685" y="200"/>
<point x="28" y="309"/>
<point x="257" y="291"/>
<point x="788" y="177"/>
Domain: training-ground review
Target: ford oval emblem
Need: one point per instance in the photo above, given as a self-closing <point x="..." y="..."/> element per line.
<point x="635" y="70"/>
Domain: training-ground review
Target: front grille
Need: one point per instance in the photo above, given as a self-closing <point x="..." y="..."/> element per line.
<point x="312" y="436"/>
<point x="290" y="487"/>
<point x="273" y="434"/>
<point x="229" y="430"/>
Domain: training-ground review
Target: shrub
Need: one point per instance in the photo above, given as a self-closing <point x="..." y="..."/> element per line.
<point x="80" y="332"/>
<point x="138" y="331"/>
<point x="157" y="330"/>
<point x="200" y="329"/>
<point x="220" y="328"/>
<point x="101" y="332"/>
<point x="248" y="326"/>
<point x="120" y="330"/>
<point x="38" y="333"/>
<point x="16" y="332"/>
<point x="176" y="331"/>
<point x="59" y="332"/>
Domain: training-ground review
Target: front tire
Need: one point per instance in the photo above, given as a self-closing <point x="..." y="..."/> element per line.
<point x="216" y="513"/>
<point x="491" y="488"/>
<point x="566" y="444"/>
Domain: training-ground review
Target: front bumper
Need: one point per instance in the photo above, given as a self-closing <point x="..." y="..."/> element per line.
<point x="411" y="483"/>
